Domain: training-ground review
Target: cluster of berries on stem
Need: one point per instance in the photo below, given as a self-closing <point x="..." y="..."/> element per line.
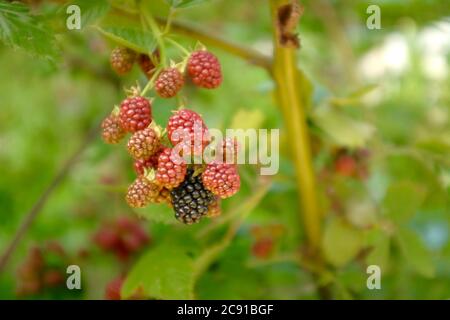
<point x="43" y="269"/>
<point x="162" y="157"/>
<point x="122" y="236"/>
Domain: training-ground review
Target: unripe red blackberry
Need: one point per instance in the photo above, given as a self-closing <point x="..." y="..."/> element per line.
<point x="151" y="162"/>
<point x="53" y="277"/>
<point x="112" y="131"/>
<point x="106" y="238"/>
<point x="42" y="269"/>
<point x="147" y="64"/>
<point x="143" y="143"/>
<point x="123" y="236"/>
<point x="191" y="200"/>
<point x="221" y="179"/>
<point x="263" y="248"/>
<point x="169" y="82"/>
<point x="113" y="288"/>
<point x="204" y="69"/>
<point x="141" y="192"/>
<point x="187" y="127"/>
<point x="135" y="113"/>
<point x="122" y="60"/>
<point x="171" y="169"/>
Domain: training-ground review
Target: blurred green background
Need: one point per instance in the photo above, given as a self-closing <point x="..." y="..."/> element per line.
<point x="379" y="123"/>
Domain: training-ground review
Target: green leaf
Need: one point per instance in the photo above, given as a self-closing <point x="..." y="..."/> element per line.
<point x="165" y="272"/>
<point x="379" y="255"/>
<point x="438" y="144"/>
<point x="341" y="242"/>
<point x="184" y="3"/>
<point x="344" y="130"/>
<point x="353" y="98"/>
<point x="402" y="200"/>
<point x="91" y="11"/>
<point x="134" y="39"/>
<point x="20" y="29"/>
<point x="157" y="213"/>
<point x="415" y="252"/>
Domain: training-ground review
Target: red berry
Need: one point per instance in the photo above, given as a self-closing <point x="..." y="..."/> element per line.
<point x="221" y="179"/>
<point x="345" y="165"/>
<point x="122" y="60"/>
<point x="106" y="238"/>
<point x="169" y="82"/>
<point x="171" y="169"/>
<point x="112" y="131"/>
<point x="113" y="288"/>
<point x="187" y="127"/>
<point x="135" y="113"/>
<point x="124" y="223"/>
<point x="123" y="236"/>
<point x="204" y="69"/>
<point x="141" y="192"/>
<point x="53" y="278"/>
<point x="143" y="143"/>
<point x="151" y="162"/>
<point x="147" y="64"/>
<point x="263" y="248"/>
<point x="131" y="242"/>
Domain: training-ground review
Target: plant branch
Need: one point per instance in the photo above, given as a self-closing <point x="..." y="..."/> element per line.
<point x="288" y="81"/>
<point x="39" y="204"/>
<point x="251" y="55"/>
<point x="148" y="18"/>
<point x="76" y="63"/>
<point x="208" y="38"/>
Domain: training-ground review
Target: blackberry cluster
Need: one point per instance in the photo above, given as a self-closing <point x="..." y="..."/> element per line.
<point x="191" y="200"/>
<point x="161" y="157"/>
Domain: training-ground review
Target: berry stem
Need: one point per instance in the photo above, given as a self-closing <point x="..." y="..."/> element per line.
<point x="208" y="38"/>
<point x="151" y="82"/>
<point x="179" y="46"/>
<point x="169" y="21"/>
<point x="42" y="200"/>
<point x="214" y="40"/>
<point x="156" y="33"/>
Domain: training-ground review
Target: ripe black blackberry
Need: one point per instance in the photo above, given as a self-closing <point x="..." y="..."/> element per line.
<point x="190" y="199"/>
